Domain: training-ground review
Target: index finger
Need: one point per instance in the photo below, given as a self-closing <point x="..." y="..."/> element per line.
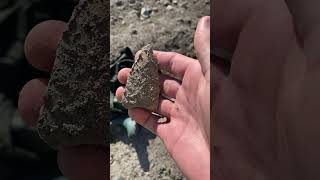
<point x="175" y="63"/>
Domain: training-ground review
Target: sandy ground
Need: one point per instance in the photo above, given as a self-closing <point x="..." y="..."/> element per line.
<point x="169" y="25"/>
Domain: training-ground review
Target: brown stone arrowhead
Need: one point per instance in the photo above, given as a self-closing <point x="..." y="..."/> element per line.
<point x="142" y="88"/>
<point x="76" y="104"/>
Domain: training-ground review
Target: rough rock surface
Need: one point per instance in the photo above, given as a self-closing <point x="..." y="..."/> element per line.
<point x="142" y="88"/>
<point x="76" y="104"/>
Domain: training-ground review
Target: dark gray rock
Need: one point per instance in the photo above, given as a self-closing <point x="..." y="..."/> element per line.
<point x="76" y="108"/>
<point x="142" y="88"/>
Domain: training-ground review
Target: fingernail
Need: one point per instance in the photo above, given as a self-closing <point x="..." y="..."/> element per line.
<point x="206" y="22"/>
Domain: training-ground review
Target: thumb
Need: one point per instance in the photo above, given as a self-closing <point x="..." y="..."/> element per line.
<point x="202" y="45"/>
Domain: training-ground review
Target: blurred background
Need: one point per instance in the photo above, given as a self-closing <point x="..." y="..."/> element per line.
<point x="23" y="155"/>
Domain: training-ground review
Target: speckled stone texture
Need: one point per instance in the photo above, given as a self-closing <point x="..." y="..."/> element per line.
<point x="76" y="106"/>
<point x="142" y="88"/>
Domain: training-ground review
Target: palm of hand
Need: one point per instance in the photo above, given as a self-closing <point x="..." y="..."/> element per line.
<point x="264" y="109"/>
<point x="190" y="99"/>
<point x="188" y="134"/>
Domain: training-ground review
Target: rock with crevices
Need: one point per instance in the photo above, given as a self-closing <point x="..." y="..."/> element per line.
<point x="142" y="88"/>
<point x="76" y="103"/>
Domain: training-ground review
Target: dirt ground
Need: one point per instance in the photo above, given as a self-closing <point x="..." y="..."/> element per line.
<point x="169" y="25"/>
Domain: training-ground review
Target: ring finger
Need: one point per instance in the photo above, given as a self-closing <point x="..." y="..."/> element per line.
<point x="169" y="86"/>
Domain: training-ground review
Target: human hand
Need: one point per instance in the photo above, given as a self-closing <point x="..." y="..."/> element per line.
<point x="76" y="163"/>
<point x="187" y="135"/>
<point x="266" y="109"/>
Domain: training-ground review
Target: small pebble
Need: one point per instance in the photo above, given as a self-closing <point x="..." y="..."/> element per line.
<point x="169" y="7"/>
<point x="184" y="5"/>
<point x="134" y="32"/>
<point x="145" y="13"/>
<point x="164" y="2"/>
<point x="113" y="19"/>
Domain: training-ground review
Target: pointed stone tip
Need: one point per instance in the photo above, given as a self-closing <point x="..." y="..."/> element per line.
<point x="147" y="48"/>
<point x="147" y="53"/>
